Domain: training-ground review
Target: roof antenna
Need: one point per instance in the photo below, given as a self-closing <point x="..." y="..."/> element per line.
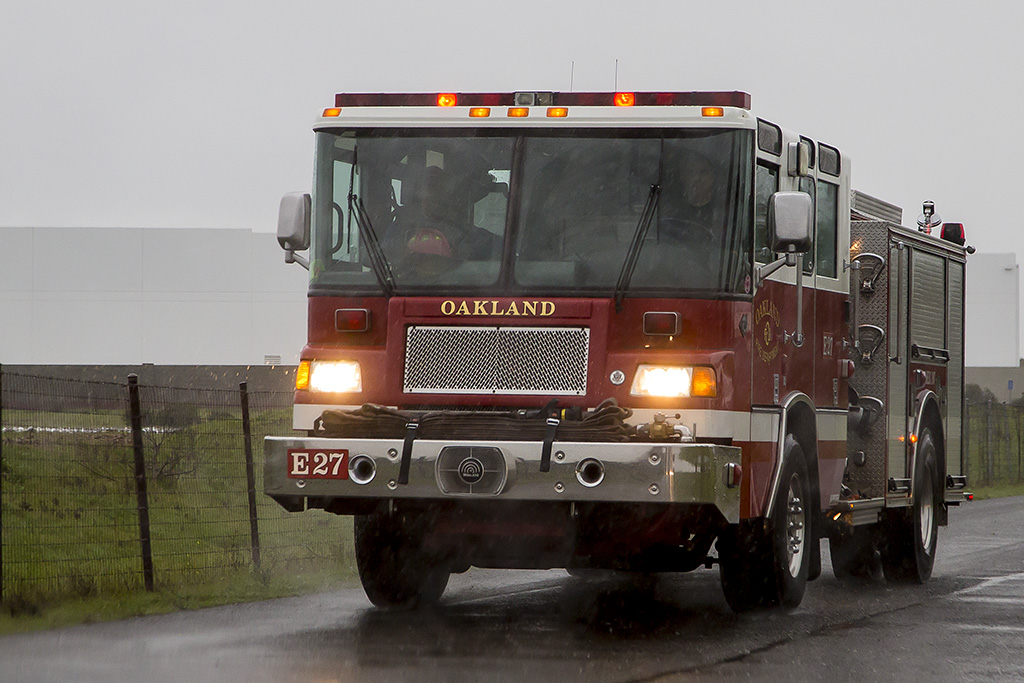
<point x="616" y="74"/>
<point x="572" y="72"/>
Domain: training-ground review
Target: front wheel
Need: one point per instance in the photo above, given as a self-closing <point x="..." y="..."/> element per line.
<point x="911" y="537"/>
<point x="766" y="563"/>
<point x="394" y="567"/>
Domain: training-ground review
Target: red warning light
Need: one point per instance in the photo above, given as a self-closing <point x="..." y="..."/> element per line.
<point x="447" y="99"/>
<point x="624" y="99"/>
<point x="352" y="320"/>
<point x="662" y="323"/>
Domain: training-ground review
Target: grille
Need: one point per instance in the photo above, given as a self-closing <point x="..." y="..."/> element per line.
<point x="496" y="360"/>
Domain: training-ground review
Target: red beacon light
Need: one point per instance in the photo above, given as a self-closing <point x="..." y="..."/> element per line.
<point x="710" y="101"/>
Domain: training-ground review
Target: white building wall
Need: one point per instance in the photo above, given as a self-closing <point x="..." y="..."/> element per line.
<point x="992" y="309"/>
<point x="164" y="296"/>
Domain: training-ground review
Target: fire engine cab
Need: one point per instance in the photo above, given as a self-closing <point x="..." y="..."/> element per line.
<point x="645" y="332"/>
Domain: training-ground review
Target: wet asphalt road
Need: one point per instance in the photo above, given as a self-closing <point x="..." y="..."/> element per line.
<point x="966" y="624"/>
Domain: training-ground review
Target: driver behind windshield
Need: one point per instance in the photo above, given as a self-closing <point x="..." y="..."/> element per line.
<point x="435" y="218"/>
<point x="686" y="207"/>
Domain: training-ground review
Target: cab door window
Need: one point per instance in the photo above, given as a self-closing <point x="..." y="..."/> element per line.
<point x="827" y="228"/>
<point x="766" y="183"/>
<point x="807" y="185"/>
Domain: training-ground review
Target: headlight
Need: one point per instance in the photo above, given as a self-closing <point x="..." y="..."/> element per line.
<point x="334" y="377"/>
<point x="674" y="381"/>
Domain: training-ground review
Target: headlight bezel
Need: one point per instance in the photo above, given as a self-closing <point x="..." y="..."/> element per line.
<point x="329" y="376"/>
<point x="656" y="380"/>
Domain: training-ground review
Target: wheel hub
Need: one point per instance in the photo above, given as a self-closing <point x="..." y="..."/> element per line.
<point x="795" y="524"/>
<point x="926" y="512"/>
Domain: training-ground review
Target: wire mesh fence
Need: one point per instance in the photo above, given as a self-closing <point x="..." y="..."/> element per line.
<point x="994" y="436"/>
<point x="90" y="506"/>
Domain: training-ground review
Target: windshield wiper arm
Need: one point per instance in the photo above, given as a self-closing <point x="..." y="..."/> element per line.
<point x="626" y="273"/>
<point x="374" y="252"/>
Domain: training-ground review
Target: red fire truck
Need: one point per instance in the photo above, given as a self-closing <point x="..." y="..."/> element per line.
<point x="645" y="332"/>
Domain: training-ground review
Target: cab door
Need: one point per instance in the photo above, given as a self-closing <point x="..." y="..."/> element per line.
<point x="780" y="365"/>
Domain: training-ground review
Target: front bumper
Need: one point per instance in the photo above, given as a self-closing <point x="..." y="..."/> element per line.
<point x="505" y="470"/>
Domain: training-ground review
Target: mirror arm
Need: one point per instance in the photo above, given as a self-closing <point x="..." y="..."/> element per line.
<point x="291" y="257"/>
<point x="763" y="271"/>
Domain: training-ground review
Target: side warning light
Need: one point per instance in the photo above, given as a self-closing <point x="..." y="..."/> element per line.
<point x="624" y="99"/>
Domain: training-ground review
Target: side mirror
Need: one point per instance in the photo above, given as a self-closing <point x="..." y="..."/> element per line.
<point x="293" y="221"/>
<point x="293" y="226"/>
<point x="790" y="230"/>
<point x="799" y="159"/>
<point x="790" y="222"/>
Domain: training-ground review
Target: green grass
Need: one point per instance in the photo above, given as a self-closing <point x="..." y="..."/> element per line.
<point x="71" y="530"/>
<point x="997" y="491"/>
<point x="94" y="419"/>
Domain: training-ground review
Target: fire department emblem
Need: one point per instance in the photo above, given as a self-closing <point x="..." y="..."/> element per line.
<point x="766" y="330"/>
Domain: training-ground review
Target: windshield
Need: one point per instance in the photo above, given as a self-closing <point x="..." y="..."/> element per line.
<point x="436" y="206"/>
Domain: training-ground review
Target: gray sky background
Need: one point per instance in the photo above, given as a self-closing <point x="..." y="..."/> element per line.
<point x="197" y="114"/>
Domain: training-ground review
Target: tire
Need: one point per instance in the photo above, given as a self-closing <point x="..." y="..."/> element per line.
<point x="765" y="563"/>
<point x="911" y="538"/>
<point x="814" y="568"/>
<point x="854" y="554"/>
<point x="394" y="568"/>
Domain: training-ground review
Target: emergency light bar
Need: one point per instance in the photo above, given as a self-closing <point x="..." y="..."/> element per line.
<point x="555" y="99"/>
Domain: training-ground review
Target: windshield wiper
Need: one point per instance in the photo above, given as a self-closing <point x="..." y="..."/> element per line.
<point x="626" y="273"/>
<point x="374" y="252"/>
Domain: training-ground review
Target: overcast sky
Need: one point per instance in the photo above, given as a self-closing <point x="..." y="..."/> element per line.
<point x="198" y="113"/>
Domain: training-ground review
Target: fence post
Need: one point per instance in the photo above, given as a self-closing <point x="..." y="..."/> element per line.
<point x="250" y="476"/>
<point x="141" y="490"/>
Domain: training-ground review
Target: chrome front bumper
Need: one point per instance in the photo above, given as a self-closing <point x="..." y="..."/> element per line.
<point x="505" y="470"/>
